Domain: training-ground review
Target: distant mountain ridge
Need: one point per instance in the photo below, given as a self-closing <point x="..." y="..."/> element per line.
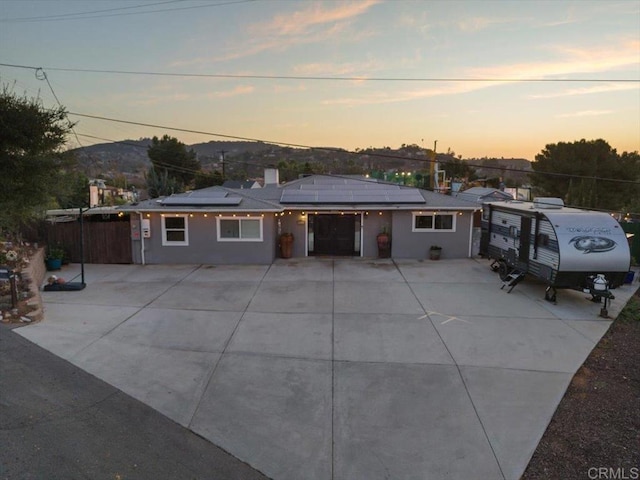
<point x="129" y="158"/>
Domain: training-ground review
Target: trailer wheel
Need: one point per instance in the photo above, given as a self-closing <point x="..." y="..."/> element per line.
<point x="503" y="270"/>
<point x="550" y="294"/>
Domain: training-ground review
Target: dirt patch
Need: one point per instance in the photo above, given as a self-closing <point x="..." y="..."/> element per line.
<point x="595" y="432"/>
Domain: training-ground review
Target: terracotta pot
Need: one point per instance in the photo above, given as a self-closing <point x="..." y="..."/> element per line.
<point x="434" y="253"/>
<point x="286" y="245"/>
<point x="384" y="245"/>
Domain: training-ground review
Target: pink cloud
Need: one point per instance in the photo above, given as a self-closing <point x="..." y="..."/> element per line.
<point x="300" y="22"/>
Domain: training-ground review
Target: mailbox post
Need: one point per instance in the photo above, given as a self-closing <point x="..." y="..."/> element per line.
<point x="8" y="275"/>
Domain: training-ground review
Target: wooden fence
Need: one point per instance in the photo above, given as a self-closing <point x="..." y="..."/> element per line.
<point x="104" y="242"/>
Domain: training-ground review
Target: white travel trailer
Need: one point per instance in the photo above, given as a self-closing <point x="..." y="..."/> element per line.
<point x="565" y="247"/>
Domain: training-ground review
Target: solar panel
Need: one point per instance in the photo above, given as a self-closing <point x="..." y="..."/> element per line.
<point x="372" y="198"/>
<point x="405" y="196"/>
<point x="207" y="193"/>
<point x="346" y="191"/>
<point x="335" y="181"/>
<point x="298" y="196"/>
<point x="314" y="187"/>
<point x="202" y="201"/>
<point x="334" y="197"/>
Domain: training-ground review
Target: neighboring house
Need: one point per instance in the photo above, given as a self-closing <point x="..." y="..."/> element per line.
<point x="101" y="194"/>
<point x="240" y="184"/>
<point x="481" y="195"/>
<point x="327" y="215"/>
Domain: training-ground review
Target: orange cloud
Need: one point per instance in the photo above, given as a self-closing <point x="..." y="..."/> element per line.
<point x="239" y="90"/>
<point x="300" y="22"/>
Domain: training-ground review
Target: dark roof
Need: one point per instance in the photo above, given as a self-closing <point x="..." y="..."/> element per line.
<point x="315" y="191"/>
<point x="247" y="184"/>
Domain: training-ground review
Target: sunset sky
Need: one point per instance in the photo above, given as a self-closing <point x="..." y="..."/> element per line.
<point x="402" y="71"/>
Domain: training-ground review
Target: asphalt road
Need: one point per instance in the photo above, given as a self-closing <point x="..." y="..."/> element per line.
<point x="59" y="422"/>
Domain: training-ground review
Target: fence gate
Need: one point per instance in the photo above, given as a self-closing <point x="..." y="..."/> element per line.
<point x="104" y="242"/>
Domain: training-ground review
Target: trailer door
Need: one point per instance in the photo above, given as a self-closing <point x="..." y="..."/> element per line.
<point x="525" y="239"/>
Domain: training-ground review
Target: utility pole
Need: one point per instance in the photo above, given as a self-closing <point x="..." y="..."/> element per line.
<point x="434" y="167"/>
<point x="222" y="152"/>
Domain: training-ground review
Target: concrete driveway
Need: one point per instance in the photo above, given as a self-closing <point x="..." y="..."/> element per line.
<point x="335" y="369"/>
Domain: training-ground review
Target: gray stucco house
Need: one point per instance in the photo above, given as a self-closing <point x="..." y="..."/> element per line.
<point x="327" y="215"/>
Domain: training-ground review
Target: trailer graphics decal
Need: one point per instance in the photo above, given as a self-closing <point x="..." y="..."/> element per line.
<point x="591" y="244"/>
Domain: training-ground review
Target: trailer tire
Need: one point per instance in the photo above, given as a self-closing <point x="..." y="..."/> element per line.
<point x="550" y="294"/>
<point x="503" y="270"/>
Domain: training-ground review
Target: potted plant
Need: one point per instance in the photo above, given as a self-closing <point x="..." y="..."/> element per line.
<point x="286" y="245"/>
<point x="434" y="252"/>
<point x="384" y="244"/>
<point x="54" y="258"/>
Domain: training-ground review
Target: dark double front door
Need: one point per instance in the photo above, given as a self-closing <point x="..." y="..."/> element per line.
<point x="333" y="234"/>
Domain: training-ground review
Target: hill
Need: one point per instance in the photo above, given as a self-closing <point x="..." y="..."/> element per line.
<point x="244" y="160"/>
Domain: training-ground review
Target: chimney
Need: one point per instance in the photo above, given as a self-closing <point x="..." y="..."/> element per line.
<point x="271" y="177"/>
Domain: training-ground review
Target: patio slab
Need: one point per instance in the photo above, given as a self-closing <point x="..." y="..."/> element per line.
<point x="480" y="299"/>
<point x="407" y="421"/>
<point x="515" y="407"/>
<point x="69" y="329"/>
<point x="293" y="296"/>
<point x="273" y="412"/>
<point x="594" y="330"/>
<point x="305" y="269"/>
<point x="130" y="294"/>
<point x="219" y="296"/>
<point x="302" y="335"/>
<point x="369" y="270"/>
<point x="509" y="342"/>
<point x="169" y="380"/>
<point x="391" y="338"/>
<point x="446" y="271"/>
<point x="193" y="330"/>
<point x="227" y="273"/>
<point x="335" y="368"/>
<point x="366" y="297"/>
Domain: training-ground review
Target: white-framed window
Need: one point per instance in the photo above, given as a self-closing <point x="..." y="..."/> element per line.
<point x="239" y="229"/>
<point x="434" y="222"/>
<point x="175" y="230"/>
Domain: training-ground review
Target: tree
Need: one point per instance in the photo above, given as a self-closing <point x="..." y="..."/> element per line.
<point x="456" y="168"/>
<point x="159" y="183"/>
<point x="73" y="189"/>
<point x="170" y="155"/>
<point x="205" y="179"/>
<point x="31" y="139"/>
<point x="584" y="165"/>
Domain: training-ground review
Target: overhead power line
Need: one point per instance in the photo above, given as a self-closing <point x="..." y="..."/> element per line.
<point x="74" y="14"/>
<point x="329" y="77"/>
<point x="88" y="15"/>
<point x="340" y="150"/>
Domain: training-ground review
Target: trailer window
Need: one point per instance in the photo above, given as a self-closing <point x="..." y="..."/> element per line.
<point x="543" y="239"/>
<point x="434" y="222"/>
